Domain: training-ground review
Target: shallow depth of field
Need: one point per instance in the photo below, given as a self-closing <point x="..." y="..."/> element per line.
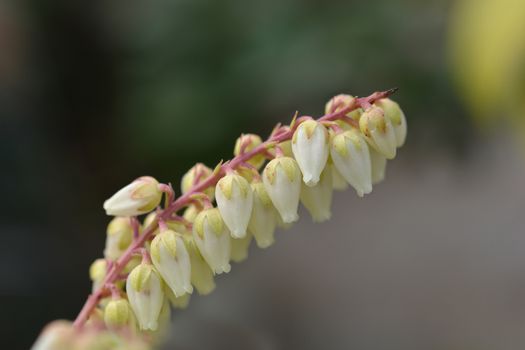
<point x="95" y="94"/>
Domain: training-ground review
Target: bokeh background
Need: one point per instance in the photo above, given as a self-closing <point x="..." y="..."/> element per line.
<point x="96" y="93"/>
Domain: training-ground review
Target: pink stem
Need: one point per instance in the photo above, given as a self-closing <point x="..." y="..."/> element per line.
<point x="116" y="268"/>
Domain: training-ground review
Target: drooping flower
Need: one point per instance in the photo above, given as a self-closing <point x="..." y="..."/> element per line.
<point x="172" y="261"/>
<point x="282" y="181"/>
<point x="310" y="149"/>
<point x="139" y="197"/>
<point x="351" y="157"/>
<point x="213" y="239"/>
<point x="338" y="181"/>
<point x="117" y="314"/>
<point x="97" y="272"/>
<point x="378" y="131"/>
<point x="318" y="199"/>
<point x="201" y="273"/>
<point x="235" y="201"/>
<point x="145" y="294"/>
<point x="378" y="162"/>
<point x="119" y="235"/>
<point x="397" y="118"/>
<point x="240" y="247"/>
<point x="264" y="216"/>
<point x="181" y="302"/>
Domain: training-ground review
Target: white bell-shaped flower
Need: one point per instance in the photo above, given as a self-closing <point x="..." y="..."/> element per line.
<point x="397" y="117"/>
<point x="338" y="181"/>
<point x="264" y="217"/>
<point x="145" y="295"/>
<point x="318" y="199"/>
<point x="378" y="162"/>
<point x="139" y="197"/>
<point x="310" y="149"/>
<point x="172" y="261"/>
<point x="282" y="181"/>
<point x="118" y="314"/>
<point x="213" y="239"/>
<point x="240" y="247"/>
<point x="378" y="131"/>
<point x="119" y="235"/>
<point x="234" y="200"/>
<point x="201" y="274"/>
<point x="351" y="157"/>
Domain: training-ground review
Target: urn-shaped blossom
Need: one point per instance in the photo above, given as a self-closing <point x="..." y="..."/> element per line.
<point x="264" y="217"/>
<point x="397" y="118"/>
<point x="139" y="197"/>
<point x="213" y="239"/>
<point x="197" y="174"/>
<point x="282" y="181"/>
<point x="378" y="162"/>
<point x="172" y="261"/>
<point x="246" y="143"/>
<point x="97" y="272"/>
<point x="318" y="199"/>
<point x="145" y="294"/>
<point x="310" y="149"/>
<point x="351" y="157"/>
<point x="234" y="200"/>
<point x="119" y="235"/>
<point x="239" y="248"/>
<point x="338" y="181"/>
<point x="117" y="314"/>
<point x="201" y="273"/>
<point x="378" y="131"/>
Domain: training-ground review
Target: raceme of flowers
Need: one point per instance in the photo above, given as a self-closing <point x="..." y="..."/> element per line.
<point x="154" y="265"/>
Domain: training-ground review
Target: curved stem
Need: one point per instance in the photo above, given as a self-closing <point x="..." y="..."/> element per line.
<point x="116" y="268"/>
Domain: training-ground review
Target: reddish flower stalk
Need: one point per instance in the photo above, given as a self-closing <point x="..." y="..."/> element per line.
<point x="280" y="134"/>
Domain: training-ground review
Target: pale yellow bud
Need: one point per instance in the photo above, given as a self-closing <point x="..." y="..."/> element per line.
<point x="197" y="174"/>
<point x="397" y="117"/>
<point x="117" y="314"/>
<point x="139" y="197"/>
<point x="318" y="199"/>
<point x="119" y="236"/>
<point x="240" y="247"/>
<point x="264" y="216"/>
<point x="97" y="272"/>
<point x="201" y="273"/>
<point x="250" y="141"/>
<point x="378" y="131"/>
<point x="339" y="102"/>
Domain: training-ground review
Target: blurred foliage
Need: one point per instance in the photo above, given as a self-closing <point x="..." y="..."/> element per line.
<point x="487" y="50"/>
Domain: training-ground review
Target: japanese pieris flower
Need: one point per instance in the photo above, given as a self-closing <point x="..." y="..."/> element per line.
<point x="139" y="197"/>
<point x="338" y="181"/>
<point x="172" y="261"/>
<point x="119" y="235"/>
<point x="351" y="157"/>
<point x="181" y="302"/>
<point x="378" y="131"/>
<point x="197" y="174"/>
<point x="201" y="274"/>
<point x="397" y="118"/>
<point x="97" y="272"/>
<point x="339" y="102"/>
<point x="378" y="162"/>
<point x="310" y="149"/>
<point x="248" y="142"/>
<point x="145" y="294"/>
<point x="213" y="239"/>
<point x="263" y="220"/>
<point x="240" y="247"/>
<point x="282" y="181"/>
<point x="117" y="314"/>
<point x="318" y="199"/>
<point x="234" y="200"/>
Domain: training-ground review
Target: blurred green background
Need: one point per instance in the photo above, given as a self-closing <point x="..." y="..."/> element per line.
<point x="94" y="94"/>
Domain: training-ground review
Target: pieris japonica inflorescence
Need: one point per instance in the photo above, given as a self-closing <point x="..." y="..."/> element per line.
<point x="156" y="262"/>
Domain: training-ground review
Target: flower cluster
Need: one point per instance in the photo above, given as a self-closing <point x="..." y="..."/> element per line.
<point x="152" y="265"/>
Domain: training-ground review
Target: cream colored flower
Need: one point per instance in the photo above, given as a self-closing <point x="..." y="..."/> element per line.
<point x="139" y="197"/>
<point x="213" y="239"/>
<point x="264" y="217"/>
<point x="378" y="131"/>
<point x="310" y="149"/>
<point x="318" y="199"/>
<point x="235" y="201"/>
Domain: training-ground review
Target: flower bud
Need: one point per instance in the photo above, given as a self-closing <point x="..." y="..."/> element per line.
<point x="58" y="335"/>
<point x="197" y="174"/>
<point x="139" y="197"/>
<point x="118" y="314"/>
<point x="144" y="289"/>
<point x="172" y="261"/>
<point x="213" y="239"/>
<point x="181" y="302"/>
<point x="282" y="181"/>
<point x="119" y="235"/>
<point x="190" y="213"/>
<point x="97" y="272"/>
<point x="239" y="248"/>
<point x="338" y="181"/>
<point x="286" y="148"/>
<point x="352" y="159"/>
<point x="378" y="162"/>
<point x="339" y="102"/>
<point x="250" y="141"/>
<point x="397" y="118"/>
<point x="318" y="199"/>
<point x="378" y="131"/>
<point x="235" y="201"/>
<point x="263" y="220"/>
<point x="201" y="274"/>
<point x="310" y="149"/>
